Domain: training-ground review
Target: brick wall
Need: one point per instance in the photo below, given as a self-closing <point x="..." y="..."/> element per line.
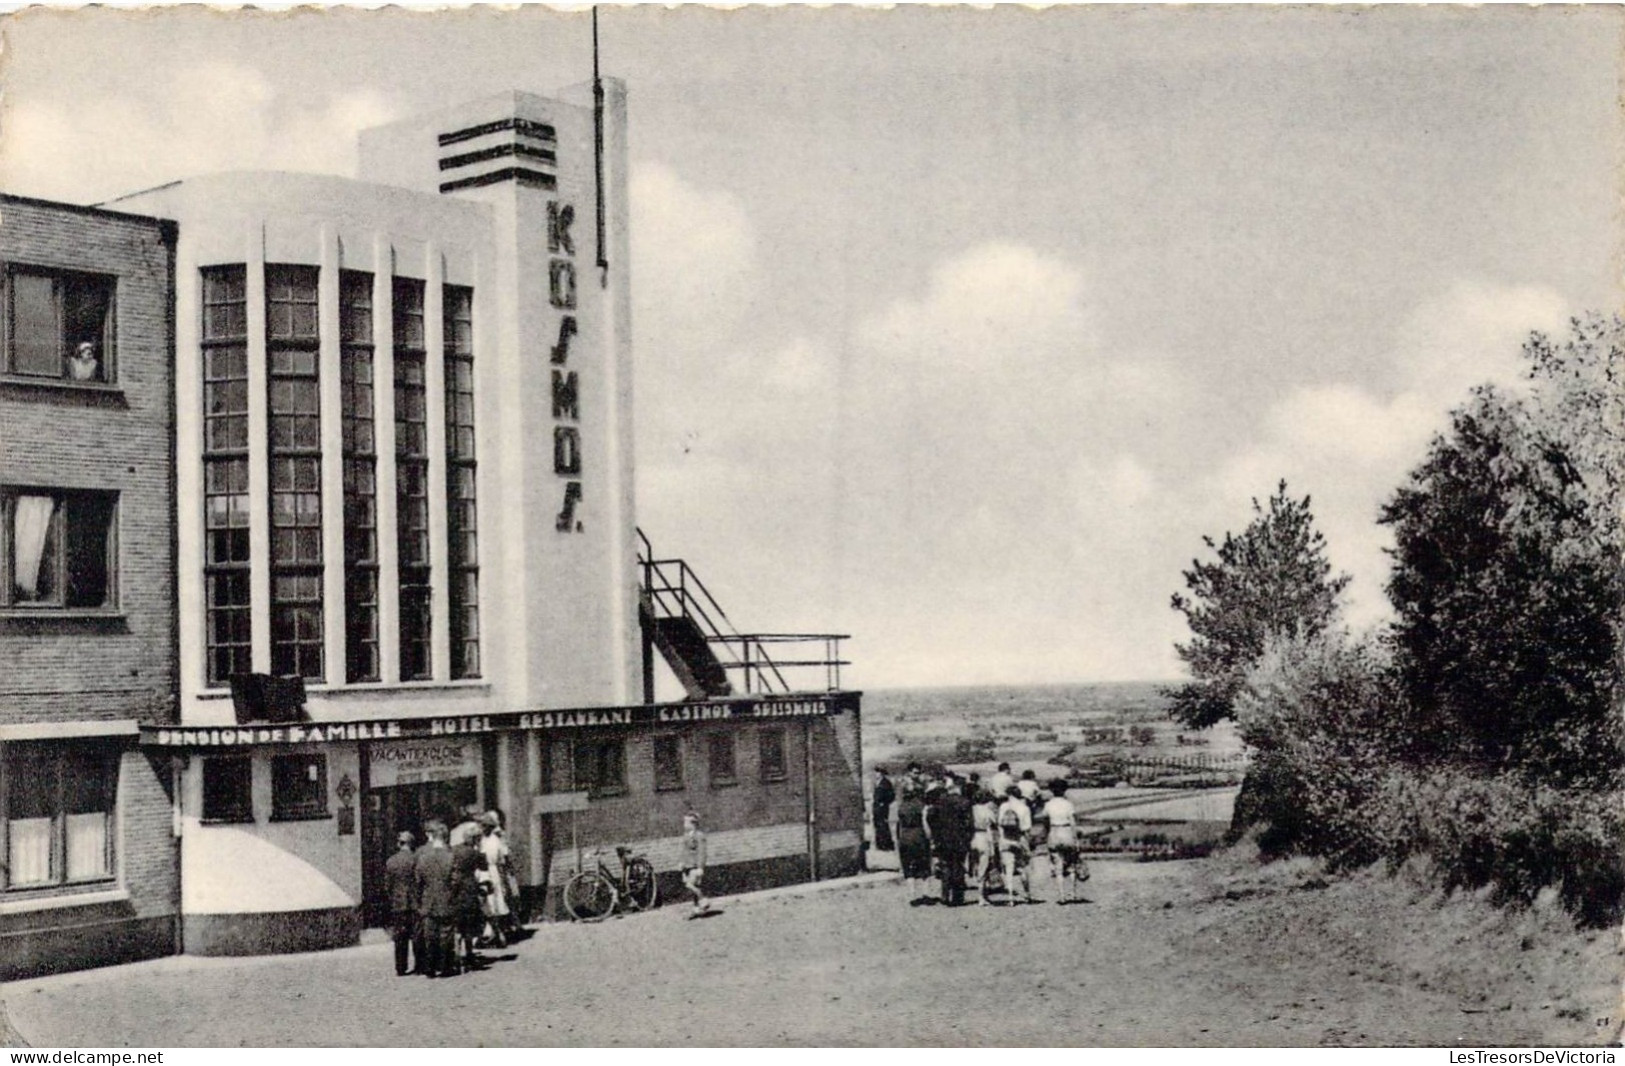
<point x="749" y="822"/>
<point x="116" y="664"/>
<point x="117" y="438"/>
<point x="642" y="812"/>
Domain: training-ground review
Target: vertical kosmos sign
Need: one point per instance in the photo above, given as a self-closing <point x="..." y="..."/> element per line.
<point x="561" y="291"/>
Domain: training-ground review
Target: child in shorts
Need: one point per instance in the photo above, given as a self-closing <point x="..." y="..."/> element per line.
<point x="692" y="862"/>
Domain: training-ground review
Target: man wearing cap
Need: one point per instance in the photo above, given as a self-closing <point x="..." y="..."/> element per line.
<point x="400" y="880"/>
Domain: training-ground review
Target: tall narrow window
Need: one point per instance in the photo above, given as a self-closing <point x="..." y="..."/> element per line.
<point x="225" y="473"/>
<point x="720" y="759"/>
<point x="360" y="479"/>
<point x="296" y="471"/>
<point x="668" y="751"/>
<point x="412" y="481"/>
<point x="770" y="746"/>
<point x="462" y="525"/>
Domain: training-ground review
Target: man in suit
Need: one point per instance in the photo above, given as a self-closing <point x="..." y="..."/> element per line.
<point x="401" y="883"/>
<point x="437" y="905"/>
<point x="952" y="825"/>
<point x="885" y="796"/>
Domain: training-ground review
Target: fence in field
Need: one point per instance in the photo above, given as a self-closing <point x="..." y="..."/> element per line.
<point x="1172" y="765"/>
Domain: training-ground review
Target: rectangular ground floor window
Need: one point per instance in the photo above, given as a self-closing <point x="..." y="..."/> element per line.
<point x="668" y="763"/>
<point x="721" y="759"/>
<point x="600" y="765"/>
<point x="773" y="763"/>
<point x="56" y="812"/>
<point x="298" y="786"/>
<point x="228" y="788"/>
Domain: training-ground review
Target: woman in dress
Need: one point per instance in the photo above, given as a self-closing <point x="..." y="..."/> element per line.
<point x="982" y="844"/>
<point x="495" y="850"/>
<point x="913" y="846"/>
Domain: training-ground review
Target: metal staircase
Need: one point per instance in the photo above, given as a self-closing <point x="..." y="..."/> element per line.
<point x="708" y="655"/>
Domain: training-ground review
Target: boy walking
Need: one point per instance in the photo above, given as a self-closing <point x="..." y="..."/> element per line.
<point x="693" y="862"/>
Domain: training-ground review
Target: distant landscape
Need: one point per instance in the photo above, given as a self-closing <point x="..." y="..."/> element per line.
<point x="1033" y="724"/>
<point x="1113" y="741"/>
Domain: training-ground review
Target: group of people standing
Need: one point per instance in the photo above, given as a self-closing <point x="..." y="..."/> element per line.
<point x="455" y="893"/>
<point x="967" y="827"/>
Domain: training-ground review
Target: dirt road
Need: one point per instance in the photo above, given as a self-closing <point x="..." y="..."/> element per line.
<point x="1174" y="953"/>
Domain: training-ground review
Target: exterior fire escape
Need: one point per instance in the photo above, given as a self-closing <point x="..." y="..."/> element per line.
<point x="708" y="655"/>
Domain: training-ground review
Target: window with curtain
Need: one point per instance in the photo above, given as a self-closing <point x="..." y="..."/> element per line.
<point x="59" y="324"/>
<point x="59" y="547"/>
<point x="56" y="812"/>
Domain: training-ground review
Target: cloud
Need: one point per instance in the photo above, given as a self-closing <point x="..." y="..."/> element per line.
<point x="1350" y="447"/>
<point x="694" y="261"/>
<point x="999" y="306"/>
<point x="215" y="116"/>
<point x="910" y="481"/>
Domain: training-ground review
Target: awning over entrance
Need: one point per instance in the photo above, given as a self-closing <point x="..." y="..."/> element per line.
<point x="809" y="705"/>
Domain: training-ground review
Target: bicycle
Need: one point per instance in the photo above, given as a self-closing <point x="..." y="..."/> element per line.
<point x="594" y="894"/>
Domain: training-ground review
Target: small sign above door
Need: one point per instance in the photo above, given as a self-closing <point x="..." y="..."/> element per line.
<point x="412" y="762"/>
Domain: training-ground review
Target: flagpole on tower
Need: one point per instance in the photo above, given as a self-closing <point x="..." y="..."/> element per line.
<point x="598" y="150"/>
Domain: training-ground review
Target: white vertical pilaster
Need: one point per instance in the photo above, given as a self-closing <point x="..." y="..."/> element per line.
<point x="383" y="373"/>
<point x="623" y="637"/>
<point x="332" y="422"/>
<point x="190" y="538"/>
<point x="434" y="390"/>
<point x="259" y="479"/>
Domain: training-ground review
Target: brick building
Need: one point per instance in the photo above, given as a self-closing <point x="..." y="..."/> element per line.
<point x="403" y="425"/>
<point x="88" y="853"/>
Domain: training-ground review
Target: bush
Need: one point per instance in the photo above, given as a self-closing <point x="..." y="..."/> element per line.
<point x="1510" y="833"/>
<point x="1316" y="711"/>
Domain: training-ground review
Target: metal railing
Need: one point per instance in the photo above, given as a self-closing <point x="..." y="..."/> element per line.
<point x="672" y="589"/>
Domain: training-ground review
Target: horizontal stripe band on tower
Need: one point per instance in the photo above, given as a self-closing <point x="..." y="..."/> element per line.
<point x="524" y="126"/>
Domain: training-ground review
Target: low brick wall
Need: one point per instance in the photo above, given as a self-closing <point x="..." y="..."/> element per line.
<point x="272" y="934"/>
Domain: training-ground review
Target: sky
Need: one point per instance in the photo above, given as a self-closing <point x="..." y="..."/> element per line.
<point x="956" y="330"/>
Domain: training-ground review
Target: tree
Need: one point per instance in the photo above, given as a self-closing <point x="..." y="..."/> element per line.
<point x="1507" y="580"/>
<point x="1272" y="580"/>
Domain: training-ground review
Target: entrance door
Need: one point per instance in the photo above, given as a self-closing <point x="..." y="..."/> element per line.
<point x="403" y="807"/>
